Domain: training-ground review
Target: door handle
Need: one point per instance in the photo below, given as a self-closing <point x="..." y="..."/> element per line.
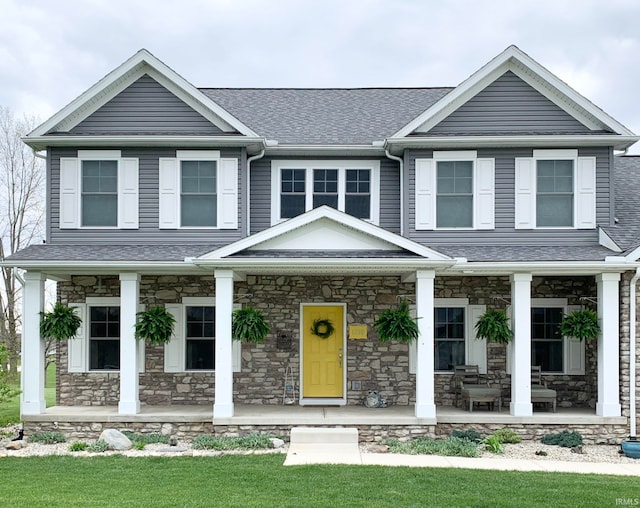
<point x="340" y="356"/>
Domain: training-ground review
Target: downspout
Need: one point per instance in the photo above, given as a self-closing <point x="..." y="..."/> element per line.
<point x="401" y="163"/>
<point x="632" y="355"/>
<point x="39" y="155"/>
<point x="249" y="161"/>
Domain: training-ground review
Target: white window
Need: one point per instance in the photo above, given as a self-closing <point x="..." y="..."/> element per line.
<point x="454" y="189"/>
<point x="198" y="189"/>
<point x="349" y="186"/>
<point x="98" y="189"/>
<point x="192" y="348"/>
<point x="96" y="347"/>
<point x="555" y="189"/>
<point x="454" y="336"/>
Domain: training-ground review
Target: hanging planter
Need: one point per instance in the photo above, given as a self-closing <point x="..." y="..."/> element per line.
<point x="494" y="326"/>
<point x="61" y="323"/>
<point x="580" y="324"/>
<point x="155" y="325"/>
<point x="397" y="324"/>
<point x="323" y="328"/>
<point x="249" y="325"/>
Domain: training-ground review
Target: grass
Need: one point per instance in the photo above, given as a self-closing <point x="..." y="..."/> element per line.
<point x="10" y="410"/>
<point x="251" y="481"/>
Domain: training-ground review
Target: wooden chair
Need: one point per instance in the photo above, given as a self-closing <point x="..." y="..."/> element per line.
<point x="539" y="390"/>
<point x="469" y="386"/>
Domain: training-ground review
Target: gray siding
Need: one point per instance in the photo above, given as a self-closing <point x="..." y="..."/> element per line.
<point x="505" y="232"/>
<point x="145" y="107"/>
<point x="148" y="231"/>
<point x="509" y="105"/>
<point x="261" y="194"/>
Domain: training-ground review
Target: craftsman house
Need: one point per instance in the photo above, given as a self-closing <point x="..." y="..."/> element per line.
<point x="505" y="192"/>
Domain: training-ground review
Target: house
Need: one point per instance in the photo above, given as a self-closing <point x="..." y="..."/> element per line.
<point x="334" y="204"/>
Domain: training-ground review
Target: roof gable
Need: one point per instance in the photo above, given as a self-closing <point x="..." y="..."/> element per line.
<point x="324" y="229"/>
<point x="531" y="72"/>
<point x="124" y="76"/>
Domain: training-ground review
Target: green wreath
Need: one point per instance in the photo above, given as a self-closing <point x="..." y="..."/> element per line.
<point x="323" y="328"/>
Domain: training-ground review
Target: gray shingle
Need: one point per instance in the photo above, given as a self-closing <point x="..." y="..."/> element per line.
<point x="626" y="184"/>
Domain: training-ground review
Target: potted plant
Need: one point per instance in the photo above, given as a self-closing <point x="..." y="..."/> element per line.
<point x="249" y="325"/>
<point x="580" y="324"/>
<point x="397" y="324"/>
<point x="61" y="323"/>
<point x="155" y="325"/>
<point x="494" y="326"/>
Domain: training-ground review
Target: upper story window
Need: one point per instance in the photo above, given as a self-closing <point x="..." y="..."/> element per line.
<point x="555" y="189"/>
<point x="454" y="189"/>
<point x="198" y="189"/>
<point x="349" y="186"/>
<point x="98" y="189"/>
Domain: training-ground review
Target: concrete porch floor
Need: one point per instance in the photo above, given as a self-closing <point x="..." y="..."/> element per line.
<point x="318" y="415"/>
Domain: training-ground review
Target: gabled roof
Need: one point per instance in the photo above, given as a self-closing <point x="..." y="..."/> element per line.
<point x="516" y="61"/>
<point x="124" y="75"/>
<point x="297" y="234"/>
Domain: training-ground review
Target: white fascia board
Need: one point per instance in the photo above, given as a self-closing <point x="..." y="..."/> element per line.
<point x="616" y="141"/>
<point x="533" y="73"/>
<point x="633" y="256"/>
<point x="121" y="77"/>
<point x="320" y="213"/>
<point x="613" y="265"/>
<point x="606" y="241"/>
<point x="321" y="265"/>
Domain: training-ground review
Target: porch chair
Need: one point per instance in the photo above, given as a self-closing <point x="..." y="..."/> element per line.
<point x="468" y="386"/>
<point x="539" y="390"/>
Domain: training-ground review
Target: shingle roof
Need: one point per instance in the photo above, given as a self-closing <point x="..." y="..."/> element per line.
<point x="516" y="253"/>
<point x="325" y="116"/>
<point x="626" y="184"/>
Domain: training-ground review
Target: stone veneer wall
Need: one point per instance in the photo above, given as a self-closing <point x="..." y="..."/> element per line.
<point x="375" y="366"/>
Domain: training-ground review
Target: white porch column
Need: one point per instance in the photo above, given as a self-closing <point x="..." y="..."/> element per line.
<point x="32" y="399"/>
<point x="521" y="350"/>
<point x="608" y="403"/>
<point x="223" y="404"/>
<point x="129" y="296"/>
<point x="425" y="383"/>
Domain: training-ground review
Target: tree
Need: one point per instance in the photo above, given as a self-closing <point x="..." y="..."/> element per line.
<point x="22" y="180"/>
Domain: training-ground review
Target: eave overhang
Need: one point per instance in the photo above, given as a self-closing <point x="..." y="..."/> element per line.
<point x="275" y="149"/>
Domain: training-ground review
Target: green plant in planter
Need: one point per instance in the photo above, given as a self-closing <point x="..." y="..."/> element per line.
<point x="493" y="325"/>
<point x="580" y="324"/>
<point x="249" y="325"/>
<point x="397" y="324"/>
<point x="61" y="323"/>
<point x="155" y="325"/>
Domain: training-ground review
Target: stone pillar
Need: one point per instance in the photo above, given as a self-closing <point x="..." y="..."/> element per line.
<point x="608" y="403"/>
<point x="32" y="398"/>
<point x="223" y="404"/>
<point x="425" y="378"/>
<point x="129" y="391"/>
<point x="521" y="350"/>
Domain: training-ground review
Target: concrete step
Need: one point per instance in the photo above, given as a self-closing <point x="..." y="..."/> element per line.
<point x="324" y="435"/>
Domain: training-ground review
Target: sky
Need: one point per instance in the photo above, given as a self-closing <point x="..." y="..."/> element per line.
<point x="52" y="51"/>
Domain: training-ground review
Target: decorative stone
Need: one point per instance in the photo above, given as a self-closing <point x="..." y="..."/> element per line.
<point x="115" y="439"/>
<point x="14" y="445"/>
<point x="277" y="442"/>
<point x="166" y="429"/>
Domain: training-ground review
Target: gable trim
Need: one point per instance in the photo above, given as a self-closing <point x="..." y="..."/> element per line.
<point x="313" y="216"/>
<point x="532" y="73"/>
<point x="124" y="75"/>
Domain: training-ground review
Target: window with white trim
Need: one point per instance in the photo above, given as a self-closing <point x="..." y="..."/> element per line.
<point x="98" y="189"/>
<point x="198" y="189"/>
<point x="555" y="189"/>
<point x="192" y="347"/>
<point x="349" y="186"/>
<point x="104" y="337"/>
<point x="454" y="190"/>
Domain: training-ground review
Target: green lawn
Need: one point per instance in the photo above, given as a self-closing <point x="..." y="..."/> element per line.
<point x="252" y="481"/>
<point x="10" y="410"/>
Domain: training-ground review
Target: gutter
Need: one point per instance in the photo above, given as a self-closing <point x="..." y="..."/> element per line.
<point x="401" y="163"/>
<point x="632" y="355"/>
<point x="249" y="161"/>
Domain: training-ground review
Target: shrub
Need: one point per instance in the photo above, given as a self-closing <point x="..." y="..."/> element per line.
<point x="47" y="438"/>
<point x="507" y="436"/>
<point x="78" y="446"/>
<point x="139" y="445"/>
<point x="248" y="442"/>
<point x="146" y="439"/>
<point x="98" y="446"/>
<point x="469" y="434"/>
<point x="493" y="444"/>
<point x="565" y="439"/>
<point x="451" y="447"/>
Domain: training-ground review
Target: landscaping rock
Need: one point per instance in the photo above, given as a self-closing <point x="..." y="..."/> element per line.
<point x="14" y="445"/>
<point x="277" y="442"/>
<point x="116" y="439"/>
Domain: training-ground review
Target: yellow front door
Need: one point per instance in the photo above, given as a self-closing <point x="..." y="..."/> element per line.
<point x="323" y="358"/>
